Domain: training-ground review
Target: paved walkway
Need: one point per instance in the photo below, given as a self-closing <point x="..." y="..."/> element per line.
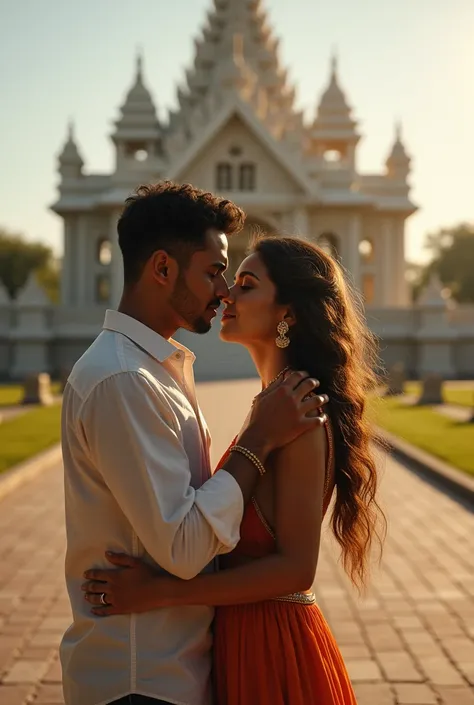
<point x="410" y="641"/>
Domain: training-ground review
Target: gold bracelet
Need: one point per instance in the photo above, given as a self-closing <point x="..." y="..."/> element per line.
<point x="250" y="456"/>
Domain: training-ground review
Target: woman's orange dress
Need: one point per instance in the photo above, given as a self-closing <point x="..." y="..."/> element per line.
<point x="276" y="652"/>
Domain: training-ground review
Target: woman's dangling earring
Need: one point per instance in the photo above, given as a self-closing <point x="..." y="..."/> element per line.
<point x="282" y="341"/>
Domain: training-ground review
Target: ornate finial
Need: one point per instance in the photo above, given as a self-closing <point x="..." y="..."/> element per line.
<point x="398" y="130"/>
<point x="139" y="64"/>
<point x="70" y="130"/>
<point x="334" y="63"/>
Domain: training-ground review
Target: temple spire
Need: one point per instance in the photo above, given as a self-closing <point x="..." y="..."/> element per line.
<point x="138" y="119"/>
<point x="333" y="109"/>
<point x="70" y="130"/>
<point x="334" y="64"/>
<point x="139" y="66"/>
<point x="70" y="160"/>
<point x="398" y="161"/>
<point x="237" y="49"/>
<point x="398" y="130"/>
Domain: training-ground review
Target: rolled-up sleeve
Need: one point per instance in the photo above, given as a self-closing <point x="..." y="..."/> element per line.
<point x="135" y="445"/>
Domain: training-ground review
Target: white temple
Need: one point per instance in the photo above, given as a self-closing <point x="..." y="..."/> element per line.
<point x="236" y="132"/>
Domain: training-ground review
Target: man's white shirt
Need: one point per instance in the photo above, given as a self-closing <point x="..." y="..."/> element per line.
<point x="138" y="481"/>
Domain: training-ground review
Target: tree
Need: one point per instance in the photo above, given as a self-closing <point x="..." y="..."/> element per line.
<point x="19" y="258"/>
<point x="453" y="260"/>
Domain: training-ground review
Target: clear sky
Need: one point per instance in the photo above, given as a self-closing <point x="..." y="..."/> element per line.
<point x="407" y="59"/>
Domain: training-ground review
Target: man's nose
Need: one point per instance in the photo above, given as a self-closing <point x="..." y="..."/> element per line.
<point x="222" y="291"/>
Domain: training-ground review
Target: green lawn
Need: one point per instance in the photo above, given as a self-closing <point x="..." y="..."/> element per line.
<point x="29" y="434"/>
<point x="443" y="437"/>
<point x="12" y="394"/>
<point x="452" y="395"/>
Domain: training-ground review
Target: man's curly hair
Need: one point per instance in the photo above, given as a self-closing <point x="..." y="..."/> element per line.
<point x="172" y="217"/>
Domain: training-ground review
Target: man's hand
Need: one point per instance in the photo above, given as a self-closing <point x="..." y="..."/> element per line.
<point x="132" y="587"/>
<point x="282" y="412"/>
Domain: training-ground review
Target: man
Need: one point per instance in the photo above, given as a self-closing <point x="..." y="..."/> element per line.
<point x="136" y="452"/>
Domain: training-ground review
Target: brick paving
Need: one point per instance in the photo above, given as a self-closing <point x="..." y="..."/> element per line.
<point x="410" y="641"/>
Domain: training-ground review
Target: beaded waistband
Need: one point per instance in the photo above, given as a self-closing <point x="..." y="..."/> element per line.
<point x="300" y="598"/>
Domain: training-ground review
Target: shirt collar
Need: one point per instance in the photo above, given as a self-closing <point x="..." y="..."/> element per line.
<point x="145" y="337"/>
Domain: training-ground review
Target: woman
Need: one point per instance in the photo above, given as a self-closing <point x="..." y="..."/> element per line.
<point x="291" y="309"/>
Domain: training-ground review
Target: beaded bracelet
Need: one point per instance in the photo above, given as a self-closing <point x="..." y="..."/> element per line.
<point x="250" y="456"/>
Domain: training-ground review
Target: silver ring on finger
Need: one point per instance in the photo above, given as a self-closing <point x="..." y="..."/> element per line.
<point x="103" y="601"/>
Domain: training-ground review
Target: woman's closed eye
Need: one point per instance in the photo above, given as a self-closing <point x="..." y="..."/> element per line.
<point x="245" y="285"/>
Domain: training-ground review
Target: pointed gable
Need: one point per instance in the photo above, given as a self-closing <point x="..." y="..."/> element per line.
<point x="236" y="145"/>
<point x="236" y="136"/>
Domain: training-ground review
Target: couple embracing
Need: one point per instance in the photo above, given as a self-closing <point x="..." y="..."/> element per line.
<point x="191" y="585"/>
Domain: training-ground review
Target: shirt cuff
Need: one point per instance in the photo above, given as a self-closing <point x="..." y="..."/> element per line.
<point x="221" y="501"/>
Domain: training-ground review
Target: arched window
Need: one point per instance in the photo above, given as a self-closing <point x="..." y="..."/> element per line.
<point x="141" y="155"/>
<point x="332" y="156"/>
<point x="137" y="150"/>
<point x="102" y="289"/>
<point x="366" y="250"/>
<point x="104" y="251"/>
<point x="224" y="176"/>
<point x="329" y="242"/>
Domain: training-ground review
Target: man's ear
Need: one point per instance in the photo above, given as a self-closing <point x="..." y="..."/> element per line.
<point x="163" y="267"/>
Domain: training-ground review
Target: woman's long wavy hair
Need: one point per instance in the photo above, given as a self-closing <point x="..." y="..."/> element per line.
<point x="331" y="341"/>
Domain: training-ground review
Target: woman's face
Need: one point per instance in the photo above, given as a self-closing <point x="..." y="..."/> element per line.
<point x="251" y="315"/>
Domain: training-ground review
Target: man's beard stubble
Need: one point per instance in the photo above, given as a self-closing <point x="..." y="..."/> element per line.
<point x="187" y="306"/>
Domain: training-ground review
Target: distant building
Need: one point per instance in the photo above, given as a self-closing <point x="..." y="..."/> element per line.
<point x="236" y="132"/>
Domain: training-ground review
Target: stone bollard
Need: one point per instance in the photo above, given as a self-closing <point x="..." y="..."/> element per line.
<point x="432" y="390"/>
<point x="32" y="332"/>
<point x="37" y="390"/>
<point x="395" y="379"/>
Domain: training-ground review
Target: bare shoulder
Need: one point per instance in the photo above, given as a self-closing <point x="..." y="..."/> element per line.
<point x="300" y="479"/>
<point x="308" y="449"/>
